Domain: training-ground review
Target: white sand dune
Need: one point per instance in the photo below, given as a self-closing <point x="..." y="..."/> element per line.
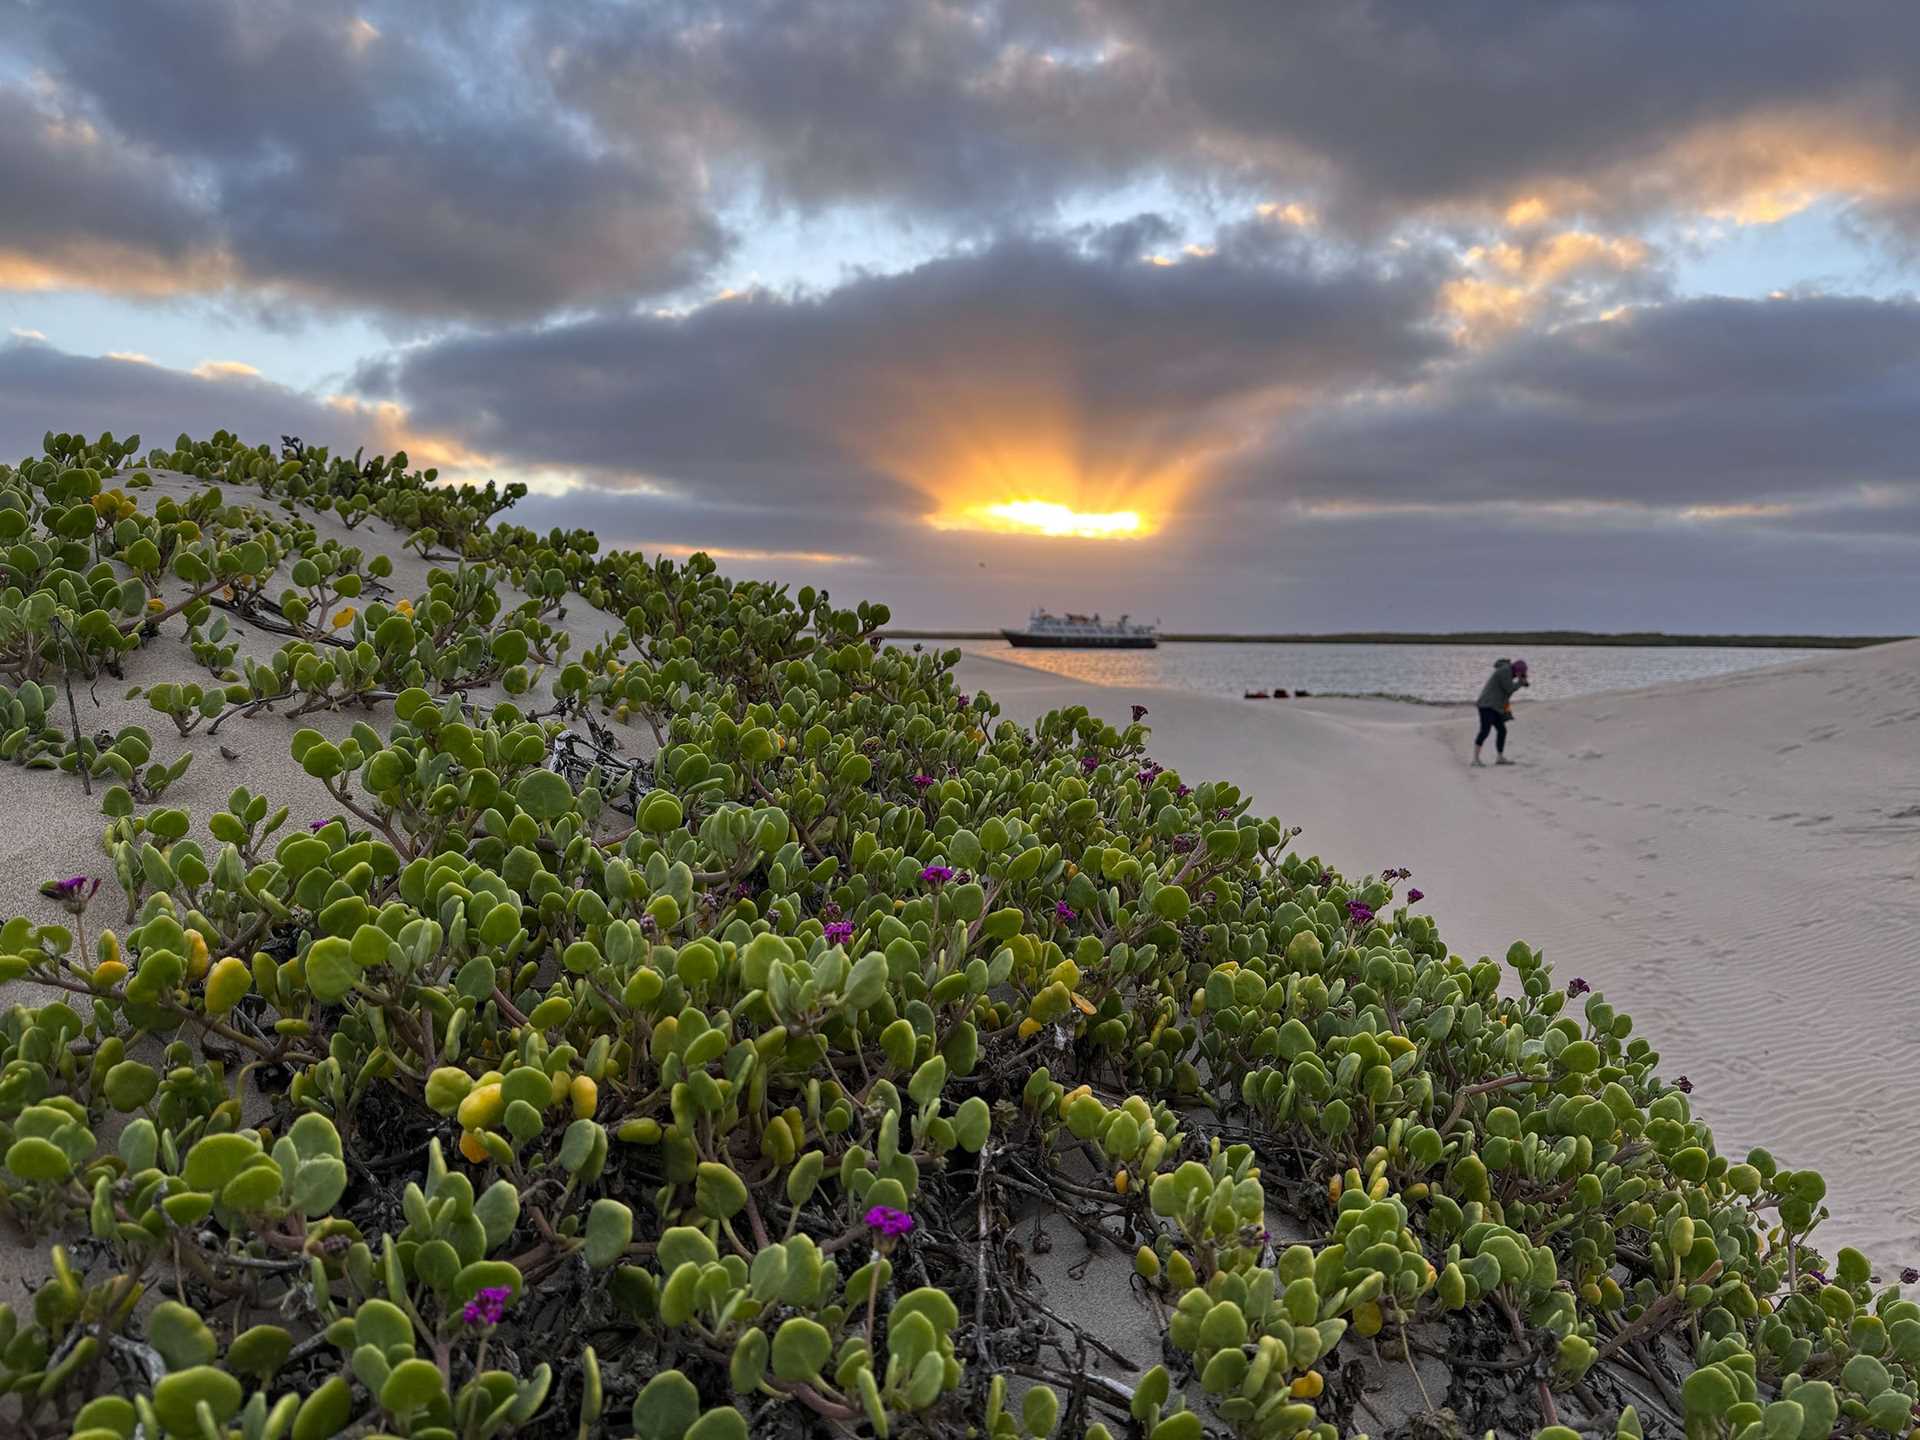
<point x="1734" y="861"/>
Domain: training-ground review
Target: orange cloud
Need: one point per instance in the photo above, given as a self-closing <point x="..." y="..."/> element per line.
<point x="389" y="428"/>
<point x="225" y="370"/>
<point x="1511" y="281"/>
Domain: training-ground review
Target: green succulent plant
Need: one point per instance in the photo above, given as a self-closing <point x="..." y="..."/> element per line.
<point x="702" y="1051"/>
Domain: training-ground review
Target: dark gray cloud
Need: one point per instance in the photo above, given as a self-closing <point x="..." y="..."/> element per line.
<point x="413" y="160"/>
<point x="493" y="163"/>
<point x="1620" y="105"/>
<point x="43" y="388"/>
<point x="878" y="395"/>
<point x="1381" y="108"/>
<point x="1697" y="403"/>
<point x="967" y="112"/>
<point x="77" y="205"/>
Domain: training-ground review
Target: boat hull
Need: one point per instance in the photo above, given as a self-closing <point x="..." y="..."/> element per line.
<point x="1025" y="640"/>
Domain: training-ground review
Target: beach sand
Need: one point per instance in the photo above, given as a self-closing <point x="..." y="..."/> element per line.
<point x="1733" y="861"/>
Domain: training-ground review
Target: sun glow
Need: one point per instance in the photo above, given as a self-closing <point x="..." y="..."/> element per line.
<point x="1045" y="517"/>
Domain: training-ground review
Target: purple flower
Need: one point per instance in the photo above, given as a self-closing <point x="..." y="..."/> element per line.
<point x="1820" y="1275"/>
<point x="1183" y="791"/>
<point x="1683" y="1085"/>
<point x="889" y="1221"/>
<point x="742" y="890"/>
<point x="1064" y="910"/>
<point x="318" y="825"/>
<point x="1910" y="1276"/>
<point x="1089" y="762"/>
<point x="74" y="892"/>
<point x="1139" y="713"/>
<point x="1577" y="986"/>
<point x="1415" y="896"/>
<point x="1360" y="914"/>
<point x="936" y="875"/>
<point x="1148" y="775"/>
<point x="1326" y="879"/>
<point x="647" y="925"/>
<point x="1182" y="844"/>
<point x="488" y="1306"/>
<point x="839" y="932"/>
<point x="921" y="782"/>
<point x="1223" y="812"/>
<point x="964" y="700"/>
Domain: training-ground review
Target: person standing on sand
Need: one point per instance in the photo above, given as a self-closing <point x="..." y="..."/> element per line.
<point x="1496" y="706"/>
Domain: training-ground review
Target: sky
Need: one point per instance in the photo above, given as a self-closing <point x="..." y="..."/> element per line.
<point x="1590" y="314"/>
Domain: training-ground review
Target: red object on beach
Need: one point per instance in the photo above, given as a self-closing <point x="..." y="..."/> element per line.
<point x="1256" y="695"/>
<point x="1279" y="694"/>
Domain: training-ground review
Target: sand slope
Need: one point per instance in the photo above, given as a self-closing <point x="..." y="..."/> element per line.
<point x="1734" y="861"/>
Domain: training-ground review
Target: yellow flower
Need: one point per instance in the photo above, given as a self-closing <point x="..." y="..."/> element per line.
<point x="344" y="618"/>
<point x="1308" y="1386"/>
<point x="155" y="605"/>
<point x="405" y="607"/>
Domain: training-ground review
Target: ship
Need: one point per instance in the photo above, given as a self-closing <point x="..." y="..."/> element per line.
<point x="1047" y="631"/>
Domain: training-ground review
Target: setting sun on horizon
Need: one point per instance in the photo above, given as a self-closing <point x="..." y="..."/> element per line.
<point x="1047" y="518"/>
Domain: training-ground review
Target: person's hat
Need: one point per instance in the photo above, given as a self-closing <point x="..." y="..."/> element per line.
<point x="1519" y="667"/>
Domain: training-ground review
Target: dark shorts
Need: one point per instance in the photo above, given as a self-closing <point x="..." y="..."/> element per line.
<point x="1492" y="720"/>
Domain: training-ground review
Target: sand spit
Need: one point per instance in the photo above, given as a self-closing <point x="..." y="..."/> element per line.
<point x="1735" y="861"/>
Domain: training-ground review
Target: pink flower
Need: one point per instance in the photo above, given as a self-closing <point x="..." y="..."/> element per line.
<point x="889" y="1221"/>
<point x="488" y="1306"/>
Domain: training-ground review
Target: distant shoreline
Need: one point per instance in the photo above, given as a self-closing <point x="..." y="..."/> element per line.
<point x="1643" y="639"/>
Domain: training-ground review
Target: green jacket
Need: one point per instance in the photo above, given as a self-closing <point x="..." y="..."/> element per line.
<point x="1500" y="686"/>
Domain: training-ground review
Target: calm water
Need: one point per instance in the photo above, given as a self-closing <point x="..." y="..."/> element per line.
<point x="1436" y="673"/>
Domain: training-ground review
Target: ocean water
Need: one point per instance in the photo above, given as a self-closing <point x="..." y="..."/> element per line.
<point x="1433" y="674"/>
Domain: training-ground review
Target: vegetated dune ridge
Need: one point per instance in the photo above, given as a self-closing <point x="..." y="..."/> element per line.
<point x="54" y="830"/>
<point x="1734" y="861"/>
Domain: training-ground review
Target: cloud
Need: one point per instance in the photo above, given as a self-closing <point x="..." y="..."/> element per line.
<point x="1707" y="411"/>
<point x="43" y="388"/>
<point x="298" y="153"/>
<point x="1386" y="110"/>
<point x="1616" y="108"/>
<point x="1027" y="370"/>
<point x="438" y="163"/>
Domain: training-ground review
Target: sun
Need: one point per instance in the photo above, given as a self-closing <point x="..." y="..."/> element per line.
<point x="1046" y="517"/>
